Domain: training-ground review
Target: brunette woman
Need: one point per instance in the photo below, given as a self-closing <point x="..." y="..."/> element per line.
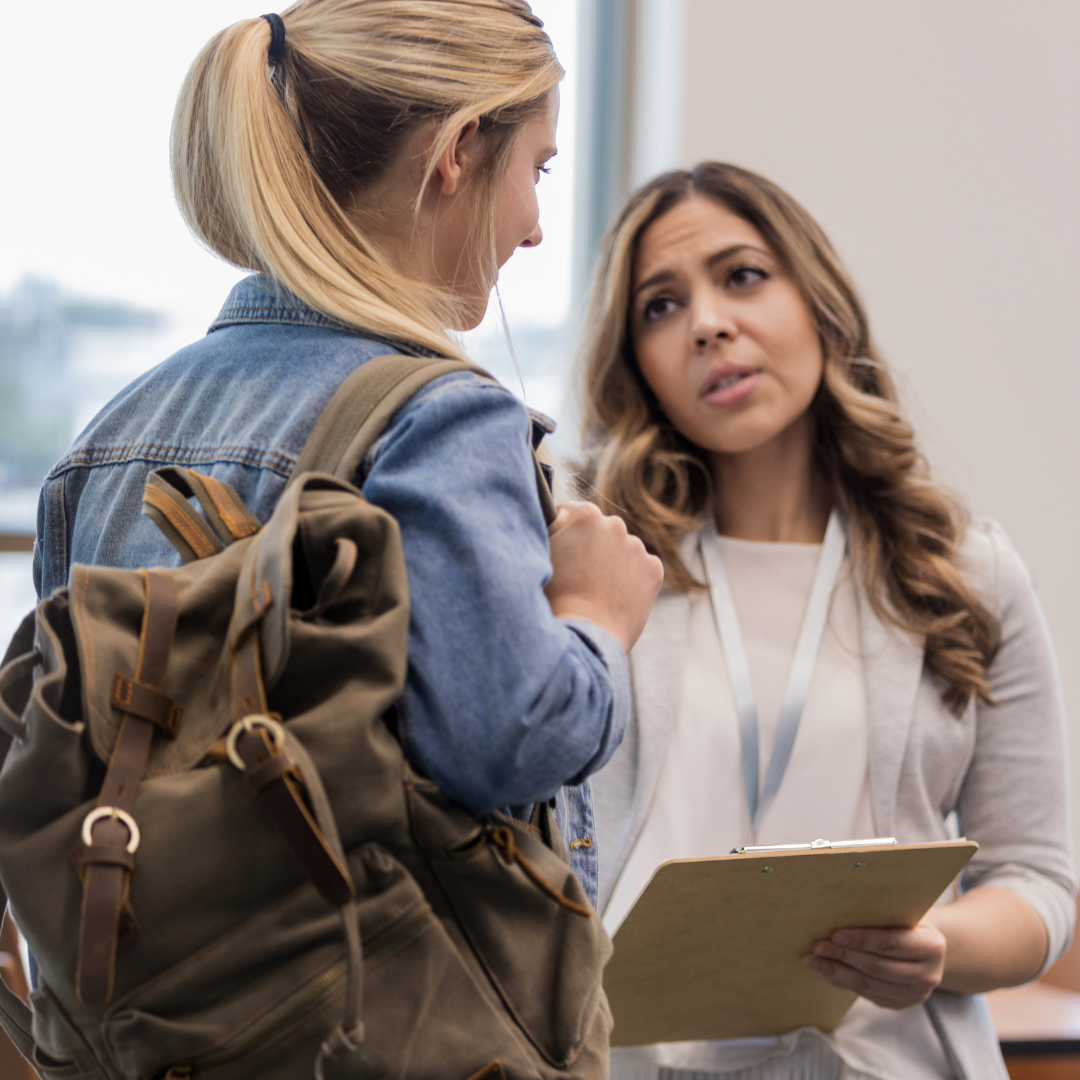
<point x="887" y="654"/>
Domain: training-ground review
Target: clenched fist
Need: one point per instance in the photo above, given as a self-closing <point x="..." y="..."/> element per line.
<point x="601" y="573"/>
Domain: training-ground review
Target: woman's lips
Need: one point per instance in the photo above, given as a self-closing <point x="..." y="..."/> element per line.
<point x="729" y="387"/>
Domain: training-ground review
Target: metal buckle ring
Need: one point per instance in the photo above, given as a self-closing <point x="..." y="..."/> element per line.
<point x="250" y="723"/>
<point x="116" y="814"/>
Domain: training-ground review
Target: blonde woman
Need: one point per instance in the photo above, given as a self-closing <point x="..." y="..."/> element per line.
<point x="374" y="162"/>
<point x="887" y="654"/>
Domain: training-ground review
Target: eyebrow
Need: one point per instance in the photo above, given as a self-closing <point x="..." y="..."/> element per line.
<point x="667" y="275"/>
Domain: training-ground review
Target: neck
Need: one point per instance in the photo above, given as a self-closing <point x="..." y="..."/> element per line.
<point x="386" y="210"/>
<point x="386" y="218"/>
<point x="774" y="492"/>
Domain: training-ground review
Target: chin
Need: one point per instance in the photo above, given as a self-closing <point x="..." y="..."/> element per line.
<point x="469" y="312"/>
<point x="744" y="439"/>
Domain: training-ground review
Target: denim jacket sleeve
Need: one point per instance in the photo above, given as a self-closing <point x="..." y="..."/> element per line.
<point x="504" y="703"/>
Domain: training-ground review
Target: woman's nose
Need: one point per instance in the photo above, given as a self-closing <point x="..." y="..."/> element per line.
<point x="534" y="238"/>
<point x="711" y="321"/>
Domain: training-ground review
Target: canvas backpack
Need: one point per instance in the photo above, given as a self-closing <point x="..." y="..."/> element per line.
<point x="220" y="858"/>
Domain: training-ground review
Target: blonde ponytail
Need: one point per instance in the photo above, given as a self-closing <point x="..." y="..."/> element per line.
<point x="263" y="165"/>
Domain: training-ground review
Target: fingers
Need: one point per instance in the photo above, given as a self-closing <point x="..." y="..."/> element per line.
<point x="600" y="572"/>
<point x="562" y="516"/>
<point x="611" y="531"/>
<point x="919" y="943"/>
<point x="889" y="995"/>
<point x="656" y="568"/>
<point x="892" y="968"/>
<point x="874" y="966"/>
<point x="575" y="512"/>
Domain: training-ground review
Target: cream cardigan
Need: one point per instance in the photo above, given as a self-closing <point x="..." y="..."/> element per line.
<point x="1001" y="767"/>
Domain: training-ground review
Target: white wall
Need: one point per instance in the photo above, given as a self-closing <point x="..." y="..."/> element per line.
<point x="938" y="145"/>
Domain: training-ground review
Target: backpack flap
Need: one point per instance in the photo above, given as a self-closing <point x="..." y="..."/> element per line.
<point x="314" y="554"/>
<point x="107" y="612"/>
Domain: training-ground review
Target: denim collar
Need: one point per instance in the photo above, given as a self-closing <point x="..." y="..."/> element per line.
<point x="260" y="299"/>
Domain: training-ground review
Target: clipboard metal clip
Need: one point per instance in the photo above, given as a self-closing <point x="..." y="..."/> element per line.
<point x="817" y="845"/>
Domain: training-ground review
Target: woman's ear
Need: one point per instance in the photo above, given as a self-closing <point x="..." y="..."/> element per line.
<point x="458" y="158"/>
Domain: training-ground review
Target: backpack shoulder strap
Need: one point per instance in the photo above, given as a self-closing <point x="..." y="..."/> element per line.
<point x="362" y="406"/>
<point x="364" y="403"/>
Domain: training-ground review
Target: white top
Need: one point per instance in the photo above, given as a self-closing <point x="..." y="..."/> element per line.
<point x="700" y="809"/>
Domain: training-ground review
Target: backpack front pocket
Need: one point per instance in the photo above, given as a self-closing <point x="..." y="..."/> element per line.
<point x="223" y="1006"/>
<point x="257" y="1003"/>
<point x="527" y="919"/>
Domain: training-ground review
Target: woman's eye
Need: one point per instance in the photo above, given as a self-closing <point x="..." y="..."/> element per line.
<point x="545" y="169"/>
<point x="743" y="276"/>
<point x="657" y="308"/>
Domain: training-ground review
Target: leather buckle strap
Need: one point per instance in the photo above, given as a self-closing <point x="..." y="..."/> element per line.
<point x="246" y="684"/>
<point x="110" y="834"/>
<point x="273" y="768"/>
<point x="248" y="694"/>
<point x="256" y="746"/>
<point x="113" y="813"/>
<point x="96" y="853"/>
<point x="137" y="699"/>
<point x="269" y="724"/>
<point x="255" y="741"/>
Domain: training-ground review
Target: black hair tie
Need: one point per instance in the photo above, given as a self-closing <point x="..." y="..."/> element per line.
<point x="277" y="38"/>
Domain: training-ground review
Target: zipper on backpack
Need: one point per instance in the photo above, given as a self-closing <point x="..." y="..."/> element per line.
<point x="320" y="986"/>
<point x="323" y="985"/>
<point x="396" y="931"/>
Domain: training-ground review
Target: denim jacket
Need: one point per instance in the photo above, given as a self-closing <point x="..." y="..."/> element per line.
<point x="505" y="705"/>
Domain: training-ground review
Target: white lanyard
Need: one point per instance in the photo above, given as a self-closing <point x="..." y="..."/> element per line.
<point x="802" y="667"/>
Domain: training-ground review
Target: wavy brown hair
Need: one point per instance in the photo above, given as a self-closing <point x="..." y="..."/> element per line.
<point x="904" y="531"/>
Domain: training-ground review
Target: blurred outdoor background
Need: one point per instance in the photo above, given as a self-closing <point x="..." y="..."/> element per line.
<point x="936" y="143"/>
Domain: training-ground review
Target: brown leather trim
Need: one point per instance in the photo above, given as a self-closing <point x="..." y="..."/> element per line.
<point x="227" y="519"/>
<point x="104" y="893"/>
<point x="180" y="523"/>
<point x="503" y="839"/>
<point x="114" y="856"/>
<point x="236" y="517"/>
<point x="127" y="763"/>
<point x="255" y="607"/>
<point x="266" y="772"/>
<point x="282" y="800"/>
<point x="106" y="859"/>
<point x="494" y="1071"/>
<point x="217" y="752"/>
<point x="277" y="788"/>
<point x="248" y="695"/>
<point x="131" y="696"/>
<point x="159" y="628"/>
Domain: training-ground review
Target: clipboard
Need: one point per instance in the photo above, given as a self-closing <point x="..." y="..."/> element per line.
<point x="712" y="947"/>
